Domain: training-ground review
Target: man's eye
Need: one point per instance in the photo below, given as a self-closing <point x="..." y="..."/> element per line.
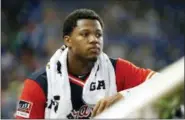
<point x="85" y="34"/>
<point x="98" y="35"/>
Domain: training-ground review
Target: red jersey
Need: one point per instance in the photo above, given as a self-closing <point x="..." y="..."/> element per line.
<point x="33" y="98"/>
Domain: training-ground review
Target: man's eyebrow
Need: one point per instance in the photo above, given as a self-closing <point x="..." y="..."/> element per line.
<point x="84" y="29"/>
<point x="98" y="30"/>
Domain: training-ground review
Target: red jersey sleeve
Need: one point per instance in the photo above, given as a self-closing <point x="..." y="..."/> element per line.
<point x="128" y="75"/>
<point x="32" y="101"/>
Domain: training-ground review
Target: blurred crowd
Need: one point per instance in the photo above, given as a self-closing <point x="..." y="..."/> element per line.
<point x="147" y="33"/>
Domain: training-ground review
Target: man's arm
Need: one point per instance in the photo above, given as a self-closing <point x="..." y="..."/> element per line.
<point x="32" y="101"/>
<point x="129" y="75"/>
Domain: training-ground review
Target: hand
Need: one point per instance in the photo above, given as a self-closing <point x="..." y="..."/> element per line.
<point x="105" y="103"/>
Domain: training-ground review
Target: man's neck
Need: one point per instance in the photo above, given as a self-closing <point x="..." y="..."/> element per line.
<point x="78" y="66"/>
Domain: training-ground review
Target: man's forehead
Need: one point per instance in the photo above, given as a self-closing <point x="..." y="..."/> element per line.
<point x="88" y="24"/>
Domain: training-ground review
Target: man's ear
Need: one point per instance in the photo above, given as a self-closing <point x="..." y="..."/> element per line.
<point x="67" y="41"/>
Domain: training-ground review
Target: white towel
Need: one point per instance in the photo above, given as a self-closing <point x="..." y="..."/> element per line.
<point x="58" y="84"/>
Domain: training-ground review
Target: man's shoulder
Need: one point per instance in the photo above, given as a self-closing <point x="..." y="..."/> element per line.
<point x="38" y="74"/>
<point x="113" y="61"/>
<point x="121" y="62"/>
<point x="40" y="77"/>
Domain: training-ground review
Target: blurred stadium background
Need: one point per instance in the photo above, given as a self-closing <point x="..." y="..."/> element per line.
<point x="146" y="32"/>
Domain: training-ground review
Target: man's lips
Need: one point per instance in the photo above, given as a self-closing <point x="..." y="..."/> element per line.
<point x="95" y="49"/>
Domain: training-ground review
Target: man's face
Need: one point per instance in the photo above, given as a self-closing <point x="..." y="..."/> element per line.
<point x="86" y="40"/>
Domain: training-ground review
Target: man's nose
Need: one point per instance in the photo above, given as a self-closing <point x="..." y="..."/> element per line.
<point x="93" y="39"/>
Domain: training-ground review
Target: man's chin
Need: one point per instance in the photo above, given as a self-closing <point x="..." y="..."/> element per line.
<point x="93" y="59"/>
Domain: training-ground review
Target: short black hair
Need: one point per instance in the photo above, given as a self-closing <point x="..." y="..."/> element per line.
<point x="71" y="19"/>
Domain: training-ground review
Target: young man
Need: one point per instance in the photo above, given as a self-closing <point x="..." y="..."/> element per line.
<point x="80" y="81"/>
